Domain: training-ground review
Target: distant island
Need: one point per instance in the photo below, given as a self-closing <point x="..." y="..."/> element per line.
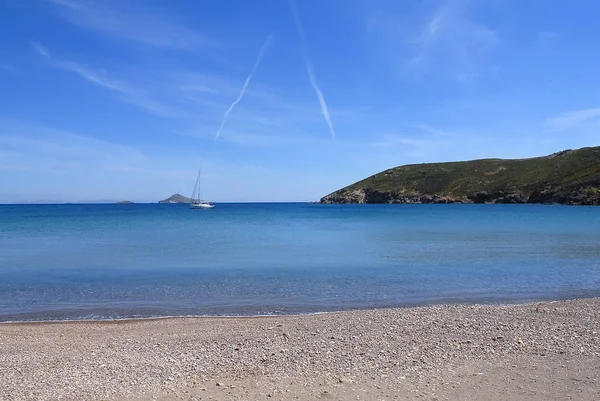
<point x="570" y="177"/>
<point x="125" y="202"/>
<point x="176" y="198"/>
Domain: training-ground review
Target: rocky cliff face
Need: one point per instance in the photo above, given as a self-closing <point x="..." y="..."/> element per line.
<point x="367" y="195"/>
<point x="583" y="196"/>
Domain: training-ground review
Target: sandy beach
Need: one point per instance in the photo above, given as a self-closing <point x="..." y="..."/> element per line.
<point x="541" y="351"/>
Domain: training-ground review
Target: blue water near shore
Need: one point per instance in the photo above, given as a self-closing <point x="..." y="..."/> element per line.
<point x="130" y="261"/>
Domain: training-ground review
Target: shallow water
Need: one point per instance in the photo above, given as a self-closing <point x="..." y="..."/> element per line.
<point x="122" y="261"/>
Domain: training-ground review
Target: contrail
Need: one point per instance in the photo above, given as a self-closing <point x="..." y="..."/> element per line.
<point x="309" y="68"/>
<point x="263" y="49"/>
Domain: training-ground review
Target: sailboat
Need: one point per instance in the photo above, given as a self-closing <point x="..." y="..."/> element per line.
<point x="197" y="202"/>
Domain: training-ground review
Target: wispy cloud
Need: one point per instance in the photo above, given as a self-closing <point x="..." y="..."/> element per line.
<point x="40" y="49"/>
<point x="40" y="148"/>
<point x="195" y="100"/>
<point x="261" y="53"/>
<point x="444" y="40"/>
<point x="388" y="140"/>
<point x="309" y="68"/>
<point x="414" y="140"/>
<point x="113" y="18"/>
<point x="547" y="38"/>
<point x="42" y="162"/>
<point x="126" y="92"/>
<point x="574" y="119"/>
<point x="10" y="68"/>
<point x="97" y="78"/>
<point x="450" y="34"/>
<point x="432" y="130"/>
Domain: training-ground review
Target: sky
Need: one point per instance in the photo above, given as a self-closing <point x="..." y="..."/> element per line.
<point x="277" y="100"/>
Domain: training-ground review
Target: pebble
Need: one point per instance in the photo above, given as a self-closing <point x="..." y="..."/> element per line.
<point x="119" y="359"/>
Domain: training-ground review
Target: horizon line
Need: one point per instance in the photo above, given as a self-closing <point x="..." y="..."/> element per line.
<point x="25" y="203"/>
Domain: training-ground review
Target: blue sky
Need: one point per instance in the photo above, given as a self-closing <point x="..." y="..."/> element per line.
<point x="125" y="99"/>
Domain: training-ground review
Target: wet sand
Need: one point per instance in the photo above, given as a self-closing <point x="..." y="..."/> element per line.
<point x="541" y="351"/>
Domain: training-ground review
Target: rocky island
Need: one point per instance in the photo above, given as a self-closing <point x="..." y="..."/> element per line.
<point x="569" y="177"/>
<point x="176" y="198"/>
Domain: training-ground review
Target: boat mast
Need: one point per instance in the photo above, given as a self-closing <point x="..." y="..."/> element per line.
<point x="199" y="186"/>
<point x="196" y="191"/>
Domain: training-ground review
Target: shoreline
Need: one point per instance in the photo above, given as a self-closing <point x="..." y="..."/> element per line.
<point x="537" y="350"/>
<point x="152" y="318"/>
<point x="496" y="303"/>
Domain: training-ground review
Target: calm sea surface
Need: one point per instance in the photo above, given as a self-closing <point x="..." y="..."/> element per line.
<point x="123" y="261"/>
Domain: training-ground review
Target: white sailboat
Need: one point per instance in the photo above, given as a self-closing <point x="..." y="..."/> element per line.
<point x="197" y="202"/>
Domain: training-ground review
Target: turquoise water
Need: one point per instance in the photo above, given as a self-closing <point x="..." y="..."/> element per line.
<point x="123" y="261"/>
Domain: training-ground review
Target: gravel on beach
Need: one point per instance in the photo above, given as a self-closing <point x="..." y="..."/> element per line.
<point x="539" y="351"/>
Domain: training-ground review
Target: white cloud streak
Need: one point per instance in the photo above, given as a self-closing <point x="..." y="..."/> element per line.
<point x="261" y="53"/>
<point x="449" y="34"/>
<point x="41" y="148"/>
<point x="195" y="100"/>
<point x="40" y="49"/>
<point x="126" y="92"/>
<point x="133" y="25"/>
<point x="80" y="70"/>
<point x="309" y="68"/>
<point x="574" y="119"/>
<point x="93" y="77"/>
<point x="432" y="130"/>
<point x="390" y="140"/>
<point x="445" y="38"/>
<point x="11" y="69"/>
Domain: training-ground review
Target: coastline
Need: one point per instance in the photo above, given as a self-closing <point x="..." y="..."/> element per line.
<point x="448" y="301"/>
<point x="540" y="350"/>
<point x="495" y="302"/>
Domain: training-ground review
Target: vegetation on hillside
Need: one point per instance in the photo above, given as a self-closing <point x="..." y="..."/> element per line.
<point x="571" y="176"/>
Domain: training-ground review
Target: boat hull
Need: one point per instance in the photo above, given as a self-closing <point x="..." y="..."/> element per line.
<point x="201" y="206"/>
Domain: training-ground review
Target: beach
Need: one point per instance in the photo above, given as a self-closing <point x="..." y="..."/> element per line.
<point x="537" y="351"/>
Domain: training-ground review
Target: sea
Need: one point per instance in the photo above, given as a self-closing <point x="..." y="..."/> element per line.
<point x="123" y="261"/>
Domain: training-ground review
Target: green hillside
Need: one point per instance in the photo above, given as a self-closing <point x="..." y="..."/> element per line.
<point x="567" y="177"/>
